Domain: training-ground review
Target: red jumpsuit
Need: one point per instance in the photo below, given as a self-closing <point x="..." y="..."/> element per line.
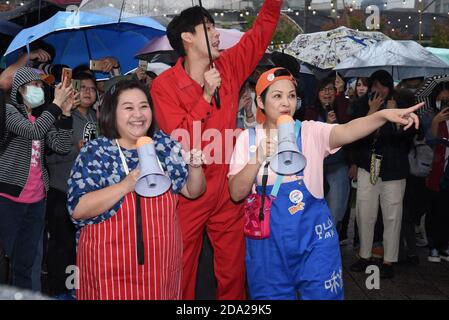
<point x="178" y="103"/>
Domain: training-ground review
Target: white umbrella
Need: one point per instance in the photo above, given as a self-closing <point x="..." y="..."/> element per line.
<point x="327" y="48"/>
<point x="402" y="59"/>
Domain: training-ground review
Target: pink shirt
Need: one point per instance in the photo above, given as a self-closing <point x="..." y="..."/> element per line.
<point x="315" y="147"/>
<point x="34" y="190"/>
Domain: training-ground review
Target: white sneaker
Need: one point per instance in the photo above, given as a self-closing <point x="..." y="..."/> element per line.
<point x="434" y="256"/>
<point x="444" y="255"/>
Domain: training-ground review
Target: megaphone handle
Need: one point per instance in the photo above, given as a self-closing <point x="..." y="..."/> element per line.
<point x="139" y="244"/>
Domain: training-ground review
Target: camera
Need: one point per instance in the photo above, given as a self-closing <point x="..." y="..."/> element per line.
<point x="48" y="68"/>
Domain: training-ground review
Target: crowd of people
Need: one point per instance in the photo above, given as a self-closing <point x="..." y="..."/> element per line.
<point x="70" y="166"/>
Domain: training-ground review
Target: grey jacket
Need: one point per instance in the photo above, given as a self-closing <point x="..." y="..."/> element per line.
<point x="84" y="128"/>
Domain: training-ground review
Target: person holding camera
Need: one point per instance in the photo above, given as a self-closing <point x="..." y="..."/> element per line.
<point x="24" y="179"/>
<point x="61" y="244"/>
<point x="332" y="107"/>
<point x="7" y="76"/>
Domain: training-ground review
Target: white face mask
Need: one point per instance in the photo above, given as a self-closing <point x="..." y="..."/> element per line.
<point x="34" y="96"/>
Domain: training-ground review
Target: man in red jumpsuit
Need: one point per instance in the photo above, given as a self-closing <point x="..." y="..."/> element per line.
<point x="183" y="99"/>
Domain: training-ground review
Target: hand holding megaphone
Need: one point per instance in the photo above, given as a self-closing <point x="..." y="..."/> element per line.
<point x="152" y="180"/>
<point x="267" y="147"/>
<point x="129" y="183"/>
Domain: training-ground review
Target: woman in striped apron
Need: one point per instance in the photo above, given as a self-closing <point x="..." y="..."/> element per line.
<point x="129" y="247"/>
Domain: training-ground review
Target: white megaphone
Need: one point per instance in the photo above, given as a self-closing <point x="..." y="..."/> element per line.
<point x="152" y="180"/>
<point x="287" y="160"/>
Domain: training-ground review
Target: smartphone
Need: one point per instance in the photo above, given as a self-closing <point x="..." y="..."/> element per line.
<point x="444" y="104"/>
<point x="328" y="108"/>
<point x="96" y="65"/>
<point x="372" y="95"/>
<point x="143" y="64"/>
<point x="66" y="76"/>
<point x="76" y="84"/>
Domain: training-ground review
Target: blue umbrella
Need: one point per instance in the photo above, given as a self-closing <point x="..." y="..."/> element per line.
<point x="81" y="36"/>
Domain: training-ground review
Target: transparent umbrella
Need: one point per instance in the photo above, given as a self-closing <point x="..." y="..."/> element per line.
<point x="120" y="9"/>
<point x="126" y="8"/>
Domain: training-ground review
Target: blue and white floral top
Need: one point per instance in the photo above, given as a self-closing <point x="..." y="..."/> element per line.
<point x="98" y="166"/>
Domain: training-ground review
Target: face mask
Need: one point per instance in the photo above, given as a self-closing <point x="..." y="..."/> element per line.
<point x="438" y="104"/>
<point x="34" y="96"/>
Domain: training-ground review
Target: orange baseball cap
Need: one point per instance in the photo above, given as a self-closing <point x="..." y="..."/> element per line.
<point x="265" y="80"/>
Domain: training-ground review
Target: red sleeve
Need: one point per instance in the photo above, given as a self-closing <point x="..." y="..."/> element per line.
<point x="241" y="60"/>
<point x="179" y="117"/>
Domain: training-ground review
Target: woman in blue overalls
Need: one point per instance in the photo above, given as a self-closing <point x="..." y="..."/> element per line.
<point x="301" y="257"/>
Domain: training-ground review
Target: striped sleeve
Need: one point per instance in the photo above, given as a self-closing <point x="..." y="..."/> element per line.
<point x="60" y="139"/>
<point x="21" y="126"/>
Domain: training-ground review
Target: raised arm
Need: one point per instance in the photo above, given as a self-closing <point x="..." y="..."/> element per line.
<point x="361" y="127"/>
<point x="243" y="58"/>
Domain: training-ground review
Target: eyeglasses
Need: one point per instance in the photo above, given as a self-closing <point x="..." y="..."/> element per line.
<point x="327" y="90"/>
<point x="88" y="89"/>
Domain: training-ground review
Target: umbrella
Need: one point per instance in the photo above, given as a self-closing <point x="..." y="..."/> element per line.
<point x="441" y="53"/>
<point x="326" y="49"/>
<point x="130" y="8"/>
<point x="64" y="2"/>
<point x="153" y="7"/>
<point x="402" y="59"/>
<point x="81" y="36"/>
<point x="228" y="38"/>
<point x="424" y="93"/>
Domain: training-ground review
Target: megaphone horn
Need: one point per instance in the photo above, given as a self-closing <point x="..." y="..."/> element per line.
<point x="287" y="160"/>
<point x="152" y="180"/>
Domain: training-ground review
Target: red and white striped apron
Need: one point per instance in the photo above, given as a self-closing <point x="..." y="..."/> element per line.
<point x="107" y="254"/>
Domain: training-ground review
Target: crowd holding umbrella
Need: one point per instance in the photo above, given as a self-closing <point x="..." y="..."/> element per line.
<point x="402" y="59"/>
<point x="81" y="36"/>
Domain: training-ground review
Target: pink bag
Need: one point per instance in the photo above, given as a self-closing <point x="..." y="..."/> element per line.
<point x="257" y="223"/>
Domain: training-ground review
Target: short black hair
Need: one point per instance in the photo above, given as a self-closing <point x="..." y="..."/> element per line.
<point x="108" y="110"/>
<point x="286" y="61"/>
<point x="82" y="68"/>
<point x="383" y="77"/>
<point x="85" y="76"/>
<point x="186" y="21"/>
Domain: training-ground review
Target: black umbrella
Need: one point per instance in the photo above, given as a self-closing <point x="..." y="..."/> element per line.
<point x="424" y="93"/>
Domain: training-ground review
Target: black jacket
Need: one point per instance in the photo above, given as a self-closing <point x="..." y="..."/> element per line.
<point x="392" y="143"/>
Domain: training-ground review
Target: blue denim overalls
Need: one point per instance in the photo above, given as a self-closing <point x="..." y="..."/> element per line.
<point x="301" y="258"/>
